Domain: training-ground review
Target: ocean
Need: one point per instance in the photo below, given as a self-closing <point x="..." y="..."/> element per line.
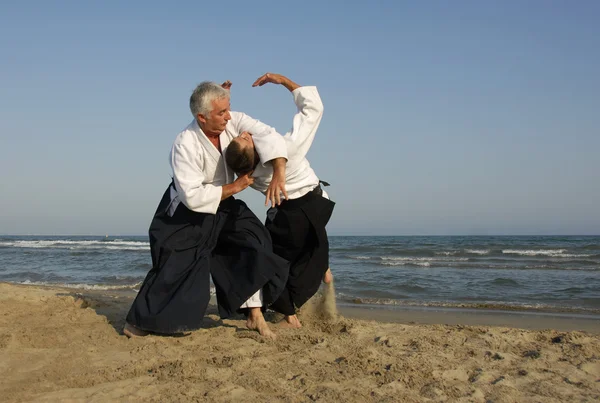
<point x="532" y="273"/>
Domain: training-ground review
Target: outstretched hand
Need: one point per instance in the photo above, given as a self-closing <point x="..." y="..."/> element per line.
<point x="275" y="190"/>
<point x="275" y="79"/>
<point x="269" y="78"/>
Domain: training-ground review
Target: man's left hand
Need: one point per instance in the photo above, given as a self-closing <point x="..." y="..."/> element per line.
<point x="269" y="78"/>
<point x="275" y="189"/>
<point x="275" y="79"/>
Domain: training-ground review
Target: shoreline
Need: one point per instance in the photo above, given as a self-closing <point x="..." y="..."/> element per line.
<point x="530" y="320"/>
<point x="562" y="320"/>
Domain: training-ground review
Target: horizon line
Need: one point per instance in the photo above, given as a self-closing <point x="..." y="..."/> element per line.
<point x="381" y="235"/>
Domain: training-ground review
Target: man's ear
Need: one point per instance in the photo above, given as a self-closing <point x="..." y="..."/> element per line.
<point x="201" y="118"/>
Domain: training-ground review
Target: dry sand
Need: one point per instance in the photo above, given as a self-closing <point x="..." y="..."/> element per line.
<point x="56" y="345"/>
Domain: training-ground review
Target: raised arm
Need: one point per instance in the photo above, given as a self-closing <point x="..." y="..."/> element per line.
<point x="307" y="119"/>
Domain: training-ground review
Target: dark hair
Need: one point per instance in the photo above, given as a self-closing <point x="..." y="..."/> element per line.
<point x="239" y="159"/>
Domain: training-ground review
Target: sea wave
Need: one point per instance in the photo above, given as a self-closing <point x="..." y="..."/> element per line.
<point x="395" y="260"/>
<point x="405" y="263"/>
<point x="81" y="286"/>
<point x="491" y="305"/>
<point x="418" y="261"/>
<point x="477" y="251"/>
<point x="447" y="252"/>
<point x="480" y="263"/>
<point x="77" y="245"/>
<point x="542" y="252"/>
<point x="99" y="287"/>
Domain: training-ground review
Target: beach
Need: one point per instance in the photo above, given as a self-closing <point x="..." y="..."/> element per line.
<point x="60" y="344"/>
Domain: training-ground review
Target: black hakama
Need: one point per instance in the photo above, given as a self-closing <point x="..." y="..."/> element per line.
<point x="297" y="228"/>
<point x="232" y="245"/>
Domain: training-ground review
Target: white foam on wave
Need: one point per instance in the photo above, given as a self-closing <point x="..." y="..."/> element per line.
<point x="542" y="252"/>
<point x="478" y="251"/>
<point x="96" y="287"/>
<point x="483" y="305"/>
<point x="573" y="255"/>
<point x="66" y="244"/>
<point x="113" y="247"/>
<point x="81" y="286"/>
<point x="447" y="252"/>
<point x="360" y="257"/>
<point x="405" y="263"/>
<point x="424" y="259"/>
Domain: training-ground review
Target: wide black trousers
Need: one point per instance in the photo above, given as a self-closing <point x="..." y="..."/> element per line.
<point x="297" y="228"/>
<point x="232" y="245"/>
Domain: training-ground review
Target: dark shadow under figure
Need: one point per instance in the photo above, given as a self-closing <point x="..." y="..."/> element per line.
<point x="115" y="304"/>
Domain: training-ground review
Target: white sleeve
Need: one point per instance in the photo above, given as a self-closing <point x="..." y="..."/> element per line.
<point x="306" y="121"/>
<point x="188" y="178"/>
<point x="268" y="143"/>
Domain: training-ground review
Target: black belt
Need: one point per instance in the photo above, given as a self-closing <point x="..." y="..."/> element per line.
<point x="318" y="189"/>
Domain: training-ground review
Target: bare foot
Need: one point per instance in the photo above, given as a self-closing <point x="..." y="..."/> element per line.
<point x="256" y="321"/>
<point x="291" y="321"/>
<point x="328" y="277"/>
<point x="132" y="331"/>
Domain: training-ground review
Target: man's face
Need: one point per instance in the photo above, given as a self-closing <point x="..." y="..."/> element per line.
<point x="216" y="121"/>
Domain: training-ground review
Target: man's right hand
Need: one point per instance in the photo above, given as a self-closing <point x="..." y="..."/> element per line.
<point x="241" y="183"/>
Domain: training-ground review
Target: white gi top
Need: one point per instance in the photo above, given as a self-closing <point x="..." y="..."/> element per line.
<point x="199" y="169"/>
<point x="299" y="176"/>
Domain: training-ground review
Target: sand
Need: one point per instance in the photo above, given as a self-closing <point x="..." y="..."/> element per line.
<point x="56" y="345"/>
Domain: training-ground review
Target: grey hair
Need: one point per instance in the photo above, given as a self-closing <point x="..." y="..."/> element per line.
<point x="202" y="97"/>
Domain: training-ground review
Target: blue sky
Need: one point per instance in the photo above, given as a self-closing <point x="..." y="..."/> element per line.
<point x="463" y="117"/>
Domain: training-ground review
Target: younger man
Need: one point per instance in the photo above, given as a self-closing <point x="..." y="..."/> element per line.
<point x="297" y="225"/>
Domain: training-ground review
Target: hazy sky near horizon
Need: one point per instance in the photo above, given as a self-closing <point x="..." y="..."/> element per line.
<point x="463" y="117"/>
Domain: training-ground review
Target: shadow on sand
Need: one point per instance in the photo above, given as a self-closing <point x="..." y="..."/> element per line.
<point x="114" y="305"/>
